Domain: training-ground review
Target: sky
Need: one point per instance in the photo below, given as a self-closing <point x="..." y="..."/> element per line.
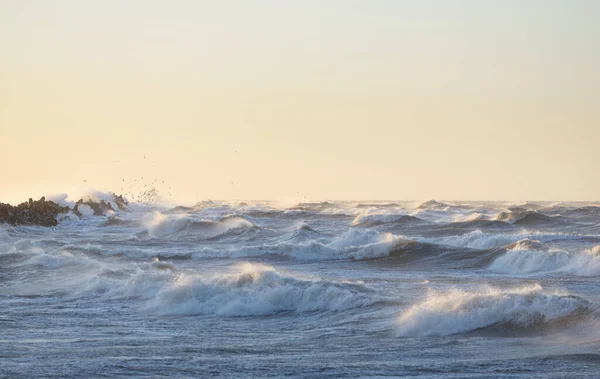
<point x="269" y="99"/>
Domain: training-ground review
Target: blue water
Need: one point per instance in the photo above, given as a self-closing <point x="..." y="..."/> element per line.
<point x="432" y="290"/>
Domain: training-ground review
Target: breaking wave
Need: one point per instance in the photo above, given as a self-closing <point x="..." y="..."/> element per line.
<point x="529" y="256"/>
<point x="475" y="240"/>
<point x="243" y="290"/>
<point x="521" y="310"/>
<point x="352" y="244"/>
<point x="161" y="226"/>
<point x="256" y="290"/>
<point x="367" y="220"/>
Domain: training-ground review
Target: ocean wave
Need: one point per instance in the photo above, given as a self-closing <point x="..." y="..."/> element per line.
<point x="315" y="205"/>
<point x="296" y="212"/>
<point x="353" y="244"/>
<point x="432" y="204"/>
<point x="179" y="209"/>
<point x="529" y="256"/>
<point x="406" y="251"/>
<point x="31" y="254"/>
<point x="113" y="220"/>
<point x="255" y="290"/>
<point x="517" y="310"/>
<point x="161" y="226"/>
<point x="3" y="232"/>
<point x="476" y="239"/>
<point x="540" y="220"/>
<point x="368" y="219"/>
<point x="378" y="205"/>
<point x="20" y="248"/>
<point x="302" y="231"/>
<point x="339" y="212"/>
<point x="242" y="290"/>
<point x="530" y="219"/>
<point x="480" y="240"/>
<point x="434" y="216"/>
<point x="587" y="211"/>
<point x="472" y="216"/>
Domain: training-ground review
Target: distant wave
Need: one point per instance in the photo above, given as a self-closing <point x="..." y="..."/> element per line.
<point x="476" y="239"/>
<point x="368" y="220"/>
<point x="315" y="205"/>
<point x="432" y="204"/>
<point x="531" y="219"/>
<point x="302" y="231"/>
<point x="353" y="244"/>
<point x="540" y="220"/>
<point x="161" y="226"/>
<point x="473" y="216"/>
<point x="509" y="311"/>
<point x="584" y="211"/>
<point x="377" y="205"/>
<point x="481" y="240"/>
<point x="408" y="251"/>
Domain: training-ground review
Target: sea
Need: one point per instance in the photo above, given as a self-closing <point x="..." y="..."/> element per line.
<point x="333" y="289"/>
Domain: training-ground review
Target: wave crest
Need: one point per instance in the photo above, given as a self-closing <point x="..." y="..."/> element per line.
<point x="160" y="225"/>
<point x="457" y="311"/>
<point x="529" y="256"/>
<point x="368" y="220"/>
<point x="256" y="290"/>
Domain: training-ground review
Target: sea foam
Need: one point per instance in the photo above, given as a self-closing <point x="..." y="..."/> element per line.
<point x="458" y="311"/>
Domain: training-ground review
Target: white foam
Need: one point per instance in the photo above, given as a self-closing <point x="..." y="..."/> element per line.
<point x="243" y="290"/>
<point x="69" y="200"/>
<point x="339" y="211"/>
<point x="359" y="244"/>
<point x="434" y="216"/>
<point x="458" y="311"/>
<point x="20" y="247"/>
<point x="475" y="240"/>
<point x="253" y="290"/>
<point x="85" y="210"/>
<point x="160" y="225"/>
<point x="378" y="216"/>
<point x="480" y="240"/>
<point x="61" y="199"/>
<point x="522" y="260"/>
<point x="352" y="244"/>
<point x="473" y="216"/>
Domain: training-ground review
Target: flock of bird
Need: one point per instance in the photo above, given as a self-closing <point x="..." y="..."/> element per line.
<point x="141" y="190"/>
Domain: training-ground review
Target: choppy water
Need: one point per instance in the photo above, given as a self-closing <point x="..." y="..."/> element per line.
<point x="313" y="290"/>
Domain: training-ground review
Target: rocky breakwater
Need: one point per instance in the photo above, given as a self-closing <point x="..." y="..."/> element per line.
<point x="101" y="207"/>
<point x="44" y="212"/>
<point x="40" y="212"/>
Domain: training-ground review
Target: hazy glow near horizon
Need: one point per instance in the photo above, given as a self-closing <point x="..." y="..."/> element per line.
<point x="280" y="99"/>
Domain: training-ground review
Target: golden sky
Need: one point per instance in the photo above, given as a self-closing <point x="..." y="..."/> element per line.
<point x="338" y="99"/>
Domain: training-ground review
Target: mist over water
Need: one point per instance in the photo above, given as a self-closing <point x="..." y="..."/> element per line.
<point x="328" y="289"/>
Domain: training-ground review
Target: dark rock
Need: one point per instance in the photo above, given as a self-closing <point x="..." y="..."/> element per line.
<point x="40" y="212"/>
<point x="45" y="213"/>
<point x="101" y="207"/>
